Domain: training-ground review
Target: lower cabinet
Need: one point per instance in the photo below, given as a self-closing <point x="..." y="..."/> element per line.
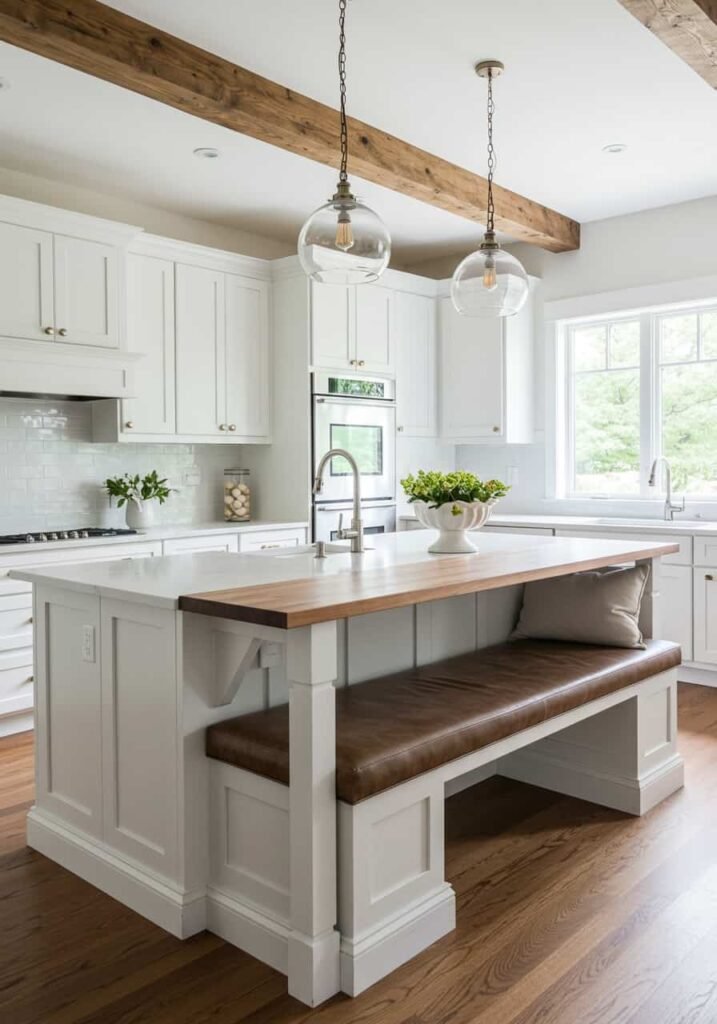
<point x="189" y="545"/>
<point x="705" y="615"/>
<point x="676" y="607"/>
<point x="265" y="539"/>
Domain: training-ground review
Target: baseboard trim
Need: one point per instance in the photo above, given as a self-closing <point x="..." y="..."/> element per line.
<point x="181" y="914"/>
<point x="370" y="958"/>
<point x="700" y="676"/>
<point x="248" y="929"/>
<point x="632" y="796"/>
<point x="11" y="724"/>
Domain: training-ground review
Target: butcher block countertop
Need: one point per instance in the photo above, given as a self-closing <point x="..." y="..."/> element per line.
<point x="289" y="587"/>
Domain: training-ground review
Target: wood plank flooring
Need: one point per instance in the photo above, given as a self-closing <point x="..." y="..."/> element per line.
<point x="567" y="914"/>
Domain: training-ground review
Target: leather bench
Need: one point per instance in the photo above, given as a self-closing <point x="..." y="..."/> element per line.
<point x="394" y="728"/>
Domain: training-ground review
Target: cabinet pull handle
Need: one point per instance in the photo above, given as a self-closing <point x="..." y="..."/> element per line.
<point x="265" y="546"/>
<point x="29" y="621"/>
<point x="709" y="577"/>
<point x="30" y="679"/>
<point x="49" y="330"/>
<point x="62" y="332"/>
<point x="129" y="425"/>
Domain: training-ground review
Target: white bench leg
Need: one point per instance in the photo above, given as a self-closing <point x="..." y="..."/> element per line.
<point x="625" y="758"/>
<point x="393" y="897"/>
<point x="313" y="948"/>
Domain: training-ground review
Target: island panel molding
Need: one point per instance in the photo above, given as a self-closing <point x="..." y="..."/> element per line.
<point x="688" y="27"/>
<point x="108" y="44"/>
<point x="291" y="604"/>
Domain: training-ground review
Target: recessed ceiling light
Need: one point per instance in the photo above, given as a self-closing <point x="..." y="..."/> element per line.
<point x="207" y="153"/>
<point x="615" y="147"/>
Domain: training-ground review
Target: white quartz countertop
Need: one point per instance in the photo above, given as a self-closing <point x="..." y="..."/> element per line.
<point x="162" y="581"/>
<point x="600" y="523"/>
<point x="157" y="533"/>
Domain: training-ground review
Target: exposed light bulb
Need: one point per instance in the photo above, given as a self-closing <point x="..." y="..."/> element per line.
<point x="490" y="278"/>
<point x="344" y="232"/>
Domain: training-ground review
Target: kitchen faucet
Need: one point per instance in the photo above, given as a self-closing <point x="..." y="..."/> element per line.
<point x="670" y="506"/>
<point x="355" y="534"/>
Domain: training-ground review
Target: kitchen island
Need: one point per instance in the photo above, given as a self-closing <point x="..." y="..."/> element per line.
<point x="135" y="660"/>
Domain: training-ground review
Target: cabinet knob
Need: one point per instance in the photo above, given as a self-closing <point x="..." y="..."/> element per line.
<point x="496" y="430"/>
<point x="30" y="679"/>
<point x="353" y="362"/>
<point x="232" y="426"/>
<point x="129" y="425"/>
<point x="399" y="429"/>
<point x="62" y="332"/>
<point x="709" y="577"/>
<point x="361" y="362"/>
<point x="49" y="330"/>
<point x="222" y="426"/>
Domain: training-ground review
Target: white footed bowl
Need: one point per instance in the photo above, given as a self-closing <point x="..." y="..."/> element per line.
<point x="453" y="521"/>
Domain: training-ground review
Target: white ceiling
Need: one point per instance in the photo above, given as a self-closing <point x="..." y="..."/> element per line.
<point x="580" y="75"/>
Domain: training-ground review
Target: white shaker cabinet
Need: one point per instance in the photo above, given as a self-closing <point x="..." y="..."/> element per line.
<point x="56" y="287"/>
<point x="150" y="330"/>
<point x="247" y="384"/>
<point x="27" y="305"/>
<point x="676" y="607"/>
<point x="705" y="613"/>
<point x="487" y="376"/>
<point x="352" y="328"/>
<point x="201" y="357"/>
<point x="416" y="383"/>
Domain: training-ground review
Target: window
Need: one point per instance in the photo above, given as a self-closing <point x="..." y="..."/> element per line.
<point x="638" y="386"/>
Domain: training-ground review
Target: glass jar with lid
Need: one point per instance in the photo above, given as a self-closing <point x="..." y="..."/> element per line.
<point x="237" y="496"/>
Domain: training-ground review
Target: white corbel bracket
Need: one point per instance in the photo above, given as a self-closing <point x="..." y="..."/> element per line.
<point x="234" y="657"/>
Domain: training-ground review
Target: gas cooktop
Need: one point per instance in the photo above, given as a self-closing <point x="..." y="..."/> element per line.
<point x="84" y="533"/>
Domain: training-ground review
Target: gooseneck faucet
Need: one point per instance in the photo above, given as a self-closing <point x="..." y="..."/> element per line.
<point x="670" y="506"/>
<point x="355" y="534"/>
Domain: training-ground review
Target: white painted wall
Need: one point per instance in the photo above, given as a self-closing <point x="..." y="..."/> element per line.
<point x="150" y="218"/>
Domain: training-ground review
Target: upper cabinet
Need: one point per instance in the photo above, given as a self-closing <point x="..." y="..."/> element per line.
<point x="486" y="376"/>
<point x="203" y="329"/>
<point x="61" y="276"/>
<point x="352" y="328"/>
<point x="416" y="383"/>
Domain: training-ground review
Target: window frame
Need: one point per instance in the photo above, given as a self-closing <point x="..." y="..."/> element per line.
<point x="650" y="439"/>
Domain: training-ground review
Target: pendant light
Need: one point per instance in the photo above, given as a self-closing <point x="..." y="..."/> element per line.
<point x="490" y="282"/>
<point x="344" y="241"/>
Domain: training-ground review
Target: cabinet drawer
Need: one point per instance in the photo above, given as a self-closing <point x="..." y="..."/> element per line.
<point x="271" y="539"/>
<point x="15" y="621"/>
<point x="706" y="551"/>
<point x="16" y="682"/>
<point x="528" y="531"/>
<point x="187" y="545"/>
<point x="681" y="557"/>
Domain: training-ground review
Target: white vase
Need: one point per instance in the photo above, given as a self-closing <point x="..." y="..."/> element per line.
<point x="140" y="515"/>
<point x="453" y="521"/>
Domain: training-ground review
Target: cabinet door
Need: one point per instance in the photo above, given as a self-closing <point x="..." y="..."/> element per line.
<point x="472" y="380"/>
<point x="247" y="356"/>
<point x="705" y="606"/>
<point x="193" y="545"/>
<point x="139" y="732"/>
<point x="675" y="603"/>
<point x="26" y="299"/>
<point x="150" y="288"/>
<point x="332" y="326"/>
<point x="200" y="329"/>
<point x="416" y="396"/>
<point x="374" y="328"/>
<point x="87" y="292"/>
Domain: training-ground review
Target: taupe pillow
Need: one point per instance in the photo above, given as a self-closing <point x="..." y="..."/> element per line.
<point x="585" y="608"/>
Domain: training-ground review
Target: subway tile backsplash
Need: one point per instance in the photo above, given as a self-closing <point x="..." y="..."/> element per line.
<point x="51" y="472"/>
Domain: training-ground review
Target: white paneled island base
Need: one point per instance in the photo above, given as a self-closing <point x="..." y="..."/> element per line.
<point x="335" y="895"/>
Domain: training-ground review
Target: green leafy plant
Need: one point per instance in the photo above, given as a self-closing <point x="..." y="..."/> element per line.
<point x="438" y="489"/>
<point x="135" y="488"/>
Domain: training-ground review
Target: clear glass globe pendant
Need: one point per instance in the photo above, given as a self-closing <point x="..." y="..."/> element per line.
<point x="490" y="282"/>
<point x="344" y="241"/>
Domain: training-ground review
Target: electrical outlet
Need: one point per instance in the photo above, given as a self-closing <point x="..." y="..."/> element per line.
<point x="88" y="643"/>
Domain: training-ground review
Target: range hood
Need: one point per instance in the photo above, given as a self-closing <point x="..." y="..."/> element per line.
<point x="39" y="369"/>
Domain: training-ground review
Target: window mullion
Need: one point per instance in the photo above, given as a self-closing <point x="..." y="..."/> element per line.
<point x="647" y="401"/>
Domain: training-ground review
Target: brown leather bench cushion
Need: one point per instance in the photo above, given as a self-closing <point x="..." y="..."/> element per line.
<point x="391" y="729"/>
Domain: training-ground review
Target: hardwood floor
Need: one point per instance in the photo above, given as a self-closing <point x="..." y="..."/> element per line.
<point x="567" y="914"/>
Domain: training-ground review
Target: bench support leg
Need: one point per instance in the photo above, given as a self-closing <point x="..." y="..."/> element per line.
<point x="313" y="946"/>
<point x="625" y="758"/>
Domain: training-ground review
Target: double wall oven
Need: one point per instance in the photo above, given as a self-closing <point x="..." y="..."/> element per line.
<point x="358" y="414"/>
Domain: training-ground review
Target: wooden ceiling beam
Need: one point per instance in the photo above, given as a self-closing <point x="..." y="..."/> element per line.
<point x="687" y="27"/>
<point x="100" y="41"/>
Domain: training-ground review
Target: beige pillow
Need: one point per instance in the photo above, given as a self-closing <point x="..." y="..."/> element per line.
<point x="585" y="608"/>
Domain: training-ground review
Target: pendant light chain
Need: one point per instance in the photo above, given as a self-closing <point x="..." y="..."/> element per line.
<point x="343" y="175"/>
<point x="490" y="219"/>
